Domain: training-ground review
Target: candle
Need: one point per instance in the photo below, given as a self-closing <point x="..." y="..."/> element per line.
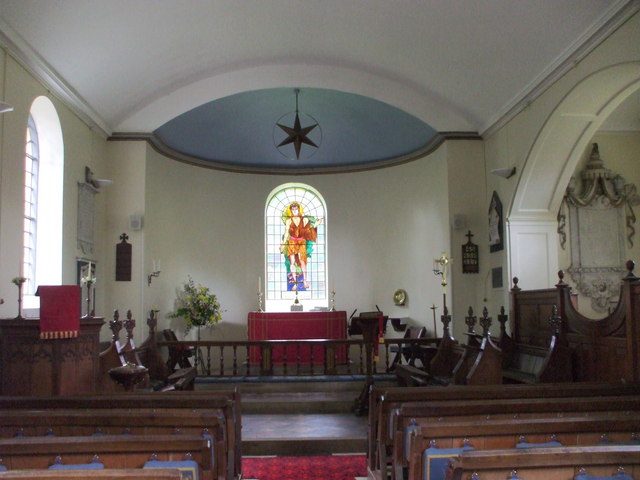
<point x="259" y="284"/>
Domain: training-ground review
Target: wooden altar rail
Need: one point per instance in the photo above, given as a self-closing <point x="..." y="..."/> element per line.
<point x="231" y="358"/>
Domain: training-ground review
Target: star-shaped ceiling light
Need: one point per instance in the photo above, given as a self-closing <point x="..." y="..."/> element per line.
<point x="297" y="135"/>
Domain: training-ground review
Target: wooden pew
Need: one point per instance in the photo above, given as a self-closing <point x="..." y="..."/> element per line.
<point x="531" y="364"/>
<point x="87" y="422"/>
<point x="481" y="364"/>
<point x="602" y="350"/>
<point x="547" y="463"/>
<point x="163" y="377"/>
<point x="226" y="402"/>
<point x="412" y="415"/>
<point x="477" y="362"/>
<point x="114" y="451"/>
<point x="150" y="355"/>
<point x="448" y="354"/>
<point x="383" y="400"/>
<point x="103" y="474"/>
<point x="507" y="433"/>
<point x="110" y="358"/>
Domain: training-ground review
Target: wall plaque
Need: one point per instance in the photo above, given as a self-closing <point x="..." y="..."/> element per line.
<point x="123" y="259"/>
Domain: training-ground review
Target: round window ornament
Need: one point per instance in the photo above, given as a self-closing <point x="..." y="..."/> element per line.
<point x="400" y="297"/>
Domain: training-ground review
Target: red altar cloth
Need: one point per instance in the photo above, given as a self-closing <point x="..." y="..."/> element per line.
<point x="297" y="326"/>
<point x="59" y="311"/>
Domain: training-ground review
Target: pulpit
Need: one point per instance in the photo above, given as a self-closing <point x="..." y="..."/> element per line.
<point x="31" y="365"/>
<point x="297" y="326"/>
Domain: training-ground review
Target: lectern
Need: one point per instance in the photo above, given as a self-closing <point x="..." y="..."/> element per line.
<point x="371" y="327"/>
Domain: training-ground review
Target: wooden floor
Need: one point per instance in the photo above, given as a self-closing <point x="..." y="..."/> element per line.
<point x="301" y="418"/>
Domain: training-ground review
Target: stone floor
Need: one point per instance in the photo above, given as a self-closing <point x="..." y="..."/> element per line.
<point x="303" y="434"/>
<point x="302" y="419"/>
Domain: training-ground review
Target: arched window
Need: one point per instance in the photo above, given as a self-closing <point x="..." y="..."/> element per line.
<point x="31" y="169"/>
<point x="296" y="248"/>
<point x="44" y="168"/>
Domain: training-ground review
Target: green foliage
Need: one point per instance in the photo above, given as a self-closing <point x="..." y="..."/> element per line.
<point x="197" y="306"/>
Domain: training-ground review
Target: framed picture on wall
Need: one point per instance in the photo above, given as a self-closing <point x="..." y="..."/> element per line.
<point x="496" y="224"/>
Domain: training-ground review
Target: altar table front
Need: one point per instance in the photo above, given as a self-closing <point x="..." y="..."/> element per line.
<point x="297" y="326"/>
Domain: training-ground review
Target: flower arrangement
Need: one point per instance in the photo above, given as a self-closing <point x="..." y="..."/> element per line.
<point x="18" y="280"/>
<point x="197" y="306"/>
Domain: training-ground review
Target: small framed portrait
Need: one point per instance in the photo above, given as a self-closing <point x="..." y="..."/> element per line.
<point x="496" y="224"/>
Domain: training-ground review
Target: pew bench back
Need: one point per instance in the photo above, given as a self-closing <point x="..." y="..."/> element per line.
<point x="103" y="474"/>
<point x="383" y="401"/>
<point x="227" y="402"/>
<point x="547" y="463"/>
<point x="507" y="433"/>
<point x="415" y="414"/>
<point x="117" y="451"/>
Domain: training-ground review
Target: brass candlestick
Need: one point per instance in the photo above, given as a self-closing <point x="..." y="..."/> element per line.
<point x="333" y="301"/>
<point x="18" y="282"/>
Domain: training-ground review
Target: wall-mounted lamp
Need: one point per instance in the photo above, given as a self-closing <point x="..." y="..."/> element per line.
<point x="95" y="182"/>
<point x="5" y="107"/>
<point x="506" y="172"/>
<point x="154" y="273"/>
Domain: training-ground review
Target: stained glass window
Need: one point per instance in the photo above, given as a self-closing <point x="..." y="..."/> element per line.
<point x="296" y="246"/>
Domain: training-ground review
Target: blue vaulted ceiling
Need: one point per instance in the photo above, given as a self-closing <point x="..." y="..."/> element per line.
<point x="239" y="132"/>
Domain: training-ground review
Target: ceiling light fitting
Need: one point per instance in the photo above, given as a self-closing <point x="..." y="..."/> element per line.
<point x="507" y="172"/>
<point x="5" y="107"/>
<point x="97" y="183"/>
<point x="304" y="141"/>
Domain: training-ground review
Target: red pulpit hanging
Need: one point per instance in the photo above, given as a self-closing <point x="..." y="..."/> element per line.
<point x="59" y="311"/>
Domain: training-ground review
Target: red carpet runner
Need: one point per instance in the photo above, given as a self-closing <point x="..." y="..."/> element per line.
<point x="317" y="467"/>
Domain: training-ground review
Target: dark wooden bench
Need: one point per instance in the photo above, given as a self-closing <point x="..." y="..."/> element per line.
<point x="546" y="463"/>
<point x="481" y="363"/>
<point x="477" y="362"/>
<point x="178" y="355"/>
<point x="416" y="414"/>
<point x="384" y="400"/>
<point x="103" y="474"/>
<point x="227" y="403"/>
<point x="507" y="433"/>
<point x="113" y="451"/>
<point x="531" y="364"/>
<point x="409" y="351"/>
<point x="87" y="422"/>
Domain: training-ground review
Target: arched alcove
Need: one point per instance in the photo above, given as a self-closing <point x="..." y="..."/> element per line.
<point x="557" y="149"/>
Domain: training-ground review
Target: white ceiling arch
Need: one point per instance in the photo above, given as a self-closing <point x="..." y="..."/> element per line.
<point x="131" y="66"/>
<point x="398" y="92"/>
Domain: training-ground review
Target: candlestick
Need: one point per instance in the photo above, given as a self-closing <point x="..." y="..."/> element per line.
<point x="260" y="309"/>
<point x="435" y="330"/>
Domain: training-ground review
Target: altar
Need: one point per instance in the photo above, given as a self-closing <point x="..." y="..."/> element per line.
<point x="297" y="326"/>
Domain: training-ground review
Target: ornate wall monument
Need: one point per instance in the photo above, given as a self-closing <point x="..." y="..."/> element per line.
<point x="601" y="219"/>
